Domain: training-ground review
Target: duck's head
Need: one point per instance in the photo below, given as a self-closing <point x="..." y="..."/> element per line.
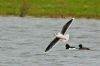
<point x="67" y="46"/>
<point x="80" y="46"/>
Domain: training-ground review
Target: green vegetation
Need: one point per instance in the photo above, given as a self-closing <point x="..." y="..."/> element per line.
<point x="51" y="8"/>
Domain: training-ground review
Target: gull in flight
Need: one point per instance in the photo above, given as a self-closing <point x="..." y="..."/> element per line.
<point x="60" y="36"/>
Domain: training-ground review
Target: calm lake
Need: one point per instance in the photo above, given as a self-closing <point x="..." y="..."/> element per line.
<point x="23" y="42"/>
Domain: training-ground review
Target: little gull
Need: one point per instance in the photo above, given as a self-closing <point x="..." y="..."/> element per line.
<point x="60" y="36"/>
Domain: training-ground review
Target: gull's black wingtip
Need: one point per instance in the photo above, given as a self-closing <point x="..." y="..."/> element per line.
<point x="46" y="50"/>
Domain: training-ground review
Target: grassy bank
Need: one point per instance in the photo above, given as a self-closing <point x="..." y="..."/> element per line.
<point x="51" y="8"/>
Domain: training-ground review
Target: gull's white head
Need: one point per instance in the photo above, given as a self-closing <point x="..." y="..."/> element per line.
<point x="63" y="37"/>
<point x="66" y="38"/>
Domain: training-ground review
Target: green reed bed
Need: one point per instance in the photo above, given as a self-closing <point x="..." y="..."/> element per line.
<point x="51" y="8"/>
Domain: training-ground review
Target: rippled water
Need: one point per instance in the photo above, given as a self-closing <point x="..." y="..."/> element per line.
<point x="23" y="41"/>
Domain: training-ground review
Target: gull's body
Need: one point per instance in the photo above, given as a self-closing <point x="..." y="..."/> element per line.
<point x="63" y="38"/>
<point x="60" y="36"/>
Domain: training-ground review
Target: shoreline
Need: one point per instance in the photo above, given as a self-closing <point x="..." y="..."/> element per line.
<point x="56" y="16"/>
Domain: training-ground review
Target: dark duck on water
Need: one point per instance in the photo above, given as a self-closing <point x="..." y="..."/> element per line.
<point x="69" y="47"/>
<point x="83" y="48"/>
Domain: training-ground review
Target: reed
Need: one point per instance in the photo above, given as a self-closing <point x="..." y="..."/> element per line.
<point x="51" y="8"/>
<point x="24" y="6"/>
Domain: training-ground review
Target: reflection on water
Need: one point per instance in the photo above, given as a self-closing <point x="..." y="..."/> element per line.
<point x="23" y="41"/>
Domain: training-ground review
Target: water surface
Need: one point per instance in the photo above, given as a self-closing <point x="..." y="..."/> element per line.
<point x="23" y="41"/>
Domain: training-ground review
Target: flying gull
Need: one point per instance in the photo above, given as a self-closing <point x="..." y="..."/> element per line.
<point x="60" y="36"/>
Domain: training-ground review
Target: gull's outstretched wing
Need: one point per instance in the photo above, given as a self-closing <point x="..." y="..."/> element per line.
<point x="65" y="27"/>
<point x="52" y="44"/>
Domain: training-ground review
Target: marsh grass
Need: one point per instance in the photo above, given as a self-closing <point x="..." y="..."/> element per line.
<point x="24" y="6"/>
<point x="51" y="8"/>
